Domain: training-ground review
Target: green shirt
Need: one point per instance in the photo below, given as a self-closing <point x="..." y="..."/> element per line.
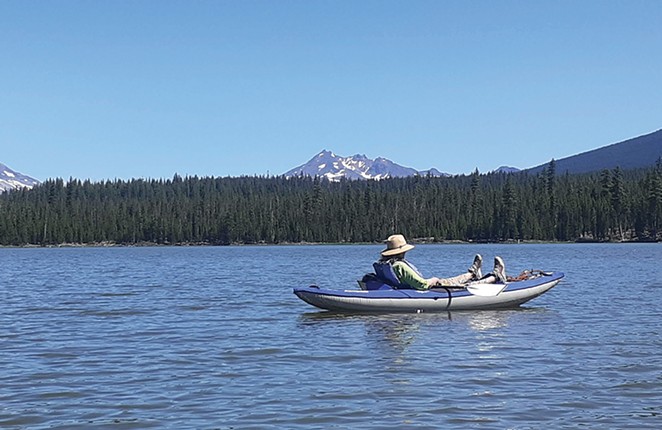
<point x="408" y="276"/>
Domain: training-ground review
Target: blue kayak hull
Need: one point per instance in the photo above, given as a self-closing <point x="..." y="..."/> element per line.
<point x="437" y="300"/>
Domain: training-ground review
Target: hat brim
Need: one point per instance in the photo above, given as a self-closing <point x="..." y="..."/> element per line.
<point x="395" y="251"/>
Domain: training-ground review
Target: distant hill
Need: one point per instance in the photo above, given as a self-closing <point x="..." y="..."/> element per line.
<point x="639" y="152"/>
<point x="506" y="169"/>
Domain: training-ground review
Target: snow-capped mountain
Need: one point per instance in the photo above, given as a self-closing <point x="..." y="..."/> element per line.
<point x="334" y="167"/>
<point x="11" y="180"/>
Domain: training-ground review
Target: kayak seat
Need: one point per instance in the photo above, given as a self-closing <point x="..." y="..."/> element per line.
<point x="385" y="273"/>
<point x="370" y="281"/>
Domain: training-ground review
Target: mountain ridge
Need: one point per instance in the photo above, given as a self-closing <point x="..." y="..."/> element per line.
<point x="13" y="180"/>
<point x="358" y="167"/>
<point x="638" y="152"/>
<point x="634" y="153"/>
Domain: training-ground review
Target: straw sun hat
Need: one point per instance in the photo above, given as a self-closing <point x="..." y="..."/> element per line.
<point x="396" y="244"/>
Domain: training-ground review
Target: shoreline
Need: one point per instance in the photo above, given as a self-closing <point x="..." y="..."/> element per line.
<point x="424" y="241"/>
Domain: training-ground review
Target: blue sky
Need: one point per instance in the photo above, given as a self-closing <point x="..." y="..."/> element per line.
<point x="122" y="89"/>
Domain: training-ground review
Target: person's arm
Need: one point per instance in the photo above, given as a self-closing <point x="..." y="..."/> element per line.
<point x="408" y="276"/>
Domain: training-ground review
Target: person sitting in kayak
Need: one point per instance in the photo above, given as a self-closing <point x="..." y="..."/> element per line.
<point x="408" y="274"/>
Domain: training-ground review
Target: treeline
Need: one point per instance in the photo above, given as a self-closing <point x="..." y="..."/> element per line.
<point x="611" y="205"/>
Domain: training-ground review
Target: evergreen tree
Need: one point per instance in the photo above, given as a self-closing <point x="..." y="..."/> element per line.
<point x="611" y="205"/>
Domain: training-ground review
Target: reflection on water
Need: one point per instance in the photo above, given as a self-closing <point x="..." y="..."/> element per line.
<point x="483" y="320"/>
<point x="391" y="335"/>
<point x="397" y="325"/>
<point x="399" y="331"/>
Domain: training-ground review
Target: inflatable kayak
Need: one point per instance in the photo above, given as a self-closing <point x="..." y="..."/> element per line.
<point x="385" y="298"/>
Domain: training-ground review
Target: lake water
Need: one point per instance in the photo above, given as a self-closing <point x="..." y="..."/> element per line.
<point x="213" y="338"/>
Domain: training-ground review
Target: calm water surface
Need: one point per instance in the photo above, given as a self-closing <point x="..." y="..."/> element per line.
<point x="213" y="338"/>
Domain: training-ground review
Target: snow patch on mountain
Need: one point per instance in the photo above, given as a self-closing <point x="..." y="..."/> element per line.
<point x="333" y="167"/>
<point x="12" y="180"/>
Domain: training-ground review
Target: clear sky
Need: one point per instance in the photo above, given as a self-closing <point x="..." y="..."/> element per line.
<point x="125" y="89"/>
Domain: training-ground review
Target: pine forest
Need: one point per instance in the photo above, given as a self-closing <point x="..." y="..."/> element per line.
<point x="610" y="205"/>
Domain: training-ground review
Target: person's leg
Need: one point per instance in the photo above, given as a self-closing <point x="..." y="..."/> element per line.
<point x="473" y="274"/>
<point x="456" y="280"/>
<point x="487" y="279"/>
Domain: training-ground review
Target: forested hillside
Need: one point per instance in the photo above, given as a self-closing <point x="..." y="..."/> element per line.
<point x="636" y="153"/>
<point x="611" y="205"/>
